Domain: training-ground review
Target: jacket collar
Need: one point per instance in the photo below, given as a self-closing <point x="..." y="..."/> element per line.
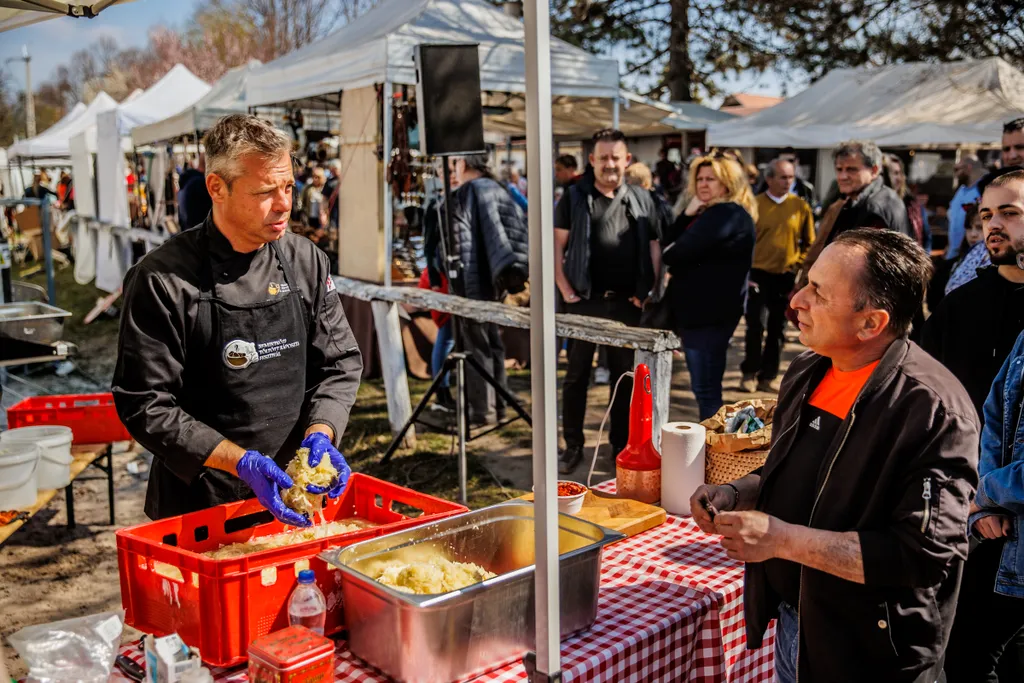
<point x="888" y="365"/>
<point x="869" y="190"/>
<point x="218" y="245"/>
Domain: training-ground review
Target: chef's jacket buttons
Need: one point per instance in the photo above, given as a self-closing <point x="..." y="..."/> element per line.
<point x="224" y="274"/>
<point x="882" y="624"/>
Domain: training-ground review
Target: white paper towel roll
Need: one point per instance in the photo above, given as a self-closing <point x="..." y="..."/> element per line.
<point x="682" y="464"/>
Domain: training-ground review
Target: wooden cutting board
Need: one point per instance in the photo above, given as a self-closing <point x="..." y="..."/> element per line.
<point x="621" y="514"/>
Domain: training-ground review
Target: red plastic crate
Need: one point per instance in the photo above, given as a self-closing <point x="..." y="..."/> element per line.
<point x="220" y="606"/>
<point x="92" y="417"/>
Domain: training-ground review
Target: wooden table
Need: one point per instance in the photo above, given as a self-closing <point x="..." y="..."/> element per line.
<point x="84" y="456"/>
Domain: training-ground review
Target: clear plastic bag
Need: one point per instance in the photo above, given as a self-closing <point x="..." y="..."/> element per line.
<point x="81" y="649"/>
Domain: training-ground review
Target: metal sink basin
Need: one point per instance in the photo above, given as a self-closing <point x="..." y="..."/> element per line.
<point x="32" y="321"/>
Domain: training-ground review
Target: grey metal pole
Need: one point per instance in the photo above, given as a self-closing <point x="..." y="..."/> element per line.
<point x="30" y="103"/>
<point x="543" y="358"/>
<point x="44" y="211"/>
<point x="460" y="405"/>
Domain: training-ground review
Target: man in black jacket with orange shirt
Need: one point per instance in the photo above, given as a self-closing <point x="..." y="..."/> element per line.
<point x="855" y="530"/>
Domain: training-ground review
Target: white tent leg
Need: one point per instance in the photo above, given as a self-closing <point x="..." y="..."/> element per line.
<point x="616" y="102"/>
<point x="542" y="334"/>
<point x="387" y="209"/>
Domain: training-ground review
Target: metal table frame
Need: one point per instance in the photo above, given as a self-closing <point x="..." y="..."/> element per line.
<point x="69" y="493"/>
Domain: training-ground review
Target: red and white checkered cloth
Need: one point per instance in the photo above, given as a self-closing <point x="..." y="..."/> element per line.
<point x="670" y="609"/>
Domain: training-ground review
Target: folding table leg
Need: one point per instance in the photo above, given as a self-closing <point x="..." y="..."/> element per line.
<point x="110" y="481"/>
<point x="69" y="492"/>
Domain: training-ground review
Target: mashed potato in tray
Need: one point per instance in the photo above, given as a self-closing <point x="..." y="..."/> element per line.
<point x="430" y="576"/>
<point x="255" y="545"/>
<point x="297" y="497"/>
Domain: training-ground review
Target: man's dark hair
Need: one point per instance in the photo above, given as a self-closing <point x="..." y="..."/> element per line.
<point x="567" y="161"/>
<point x="479" y="163"/>
<point x="988" y="179"/>
<point x="867" y="150"/>
<point x="609" y="135"/>
<point x="1012" y="174"/>
<point x="895" y="276"/>
<point x="788" y="150"/>
<point x="1014" y="125"/>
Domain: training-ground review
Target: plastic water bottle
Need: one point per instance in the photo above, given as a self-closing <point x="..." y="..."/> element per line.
<point x="307" y="606"/>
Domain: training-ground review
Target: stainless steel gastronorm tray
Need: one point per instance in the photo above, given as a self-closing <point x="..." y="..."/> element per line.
<point x="434" y="638"/>
<point x="32" y="321"/>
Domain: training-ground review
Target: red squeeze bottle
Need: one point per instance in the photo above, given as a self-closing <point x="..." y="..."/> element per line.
<point x="638" y="466"/>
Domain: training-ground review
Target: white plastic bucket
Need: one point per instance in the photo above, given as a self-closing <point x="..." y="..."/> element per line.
<point x="19" y="470"/>
<point x="55" y="458"/>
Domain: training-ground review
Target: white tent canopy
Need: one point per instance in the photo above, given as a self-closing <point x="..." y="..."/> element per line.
<point x="227" y="96"/>
<point x="905" y="105"/>
<point x="54" y="142"/>
<point x="378" y="47"/>
<point x="178" y="90"/>
<point x="27" y="12"/>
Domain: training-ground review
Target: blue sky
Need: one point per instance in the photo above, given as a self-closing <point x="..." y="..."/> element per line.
<point x="52" y="43"/>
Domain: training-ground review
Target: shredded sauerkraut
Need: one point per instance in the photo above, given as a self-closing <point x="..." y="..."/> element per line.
<point x="255" y="545"/>
<point x="432" y="576"/>
<point x="297" y="497"/>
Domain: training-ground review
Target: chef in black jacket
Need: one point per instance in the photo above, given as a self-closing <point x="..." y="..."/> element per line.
<point x="234" y="349"/>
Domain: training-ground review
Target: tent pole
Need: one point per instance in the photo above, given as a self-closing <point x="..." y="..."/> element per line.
<point x="386" y="212"/>
<point x="615" y="112"/>
<point x="543" y="359"/>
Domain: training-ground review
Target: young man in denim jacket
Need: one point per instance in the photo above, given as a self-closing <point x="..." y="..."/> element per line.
<point x="990" y="610"/>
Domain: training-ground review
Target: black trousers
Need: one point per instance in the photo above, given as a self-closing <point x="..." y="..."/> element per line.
<point x="766" y="312"/>
<point x="483" y="342"/>
<point x="577" y="375"/>
<point x="986" y="622"/>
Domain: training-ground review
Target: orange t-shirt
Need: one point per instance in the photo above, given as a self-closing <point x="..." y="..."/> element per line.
<point x="837" y="391"/>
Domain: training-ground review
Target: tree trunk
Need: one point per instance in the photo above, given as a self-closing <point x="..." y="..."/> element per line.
<point x="680" y="68"/>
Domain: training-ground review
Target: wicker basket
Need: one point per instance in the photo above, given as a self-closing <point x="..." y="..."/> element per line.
<point x="721" y="467"/>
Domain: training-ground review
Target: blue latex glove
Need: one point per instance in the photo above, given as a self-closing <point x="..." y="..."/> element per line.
<point x="319" y="445"/>
<point x="266" y="480"/>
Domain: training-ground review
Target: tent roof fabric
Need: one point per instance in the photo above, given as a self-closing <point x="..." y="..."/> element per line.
<point x="26" y="15"/>
<point x="905" y="105"/>
<point x="177" y="90"/>
<point x="227" y="96"/>
<point x="54" y="142"/>
<point x="745" y="104"/>
<point x="380" y="45"/>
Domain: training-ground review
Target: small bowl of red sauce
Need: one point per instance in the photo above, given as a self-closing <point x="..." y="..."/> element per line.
<point x="570" y="496"/>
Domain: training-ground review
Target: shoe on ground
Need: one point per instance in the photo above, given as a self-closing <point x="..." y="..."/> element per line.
<point x="443" y="399"/>
<point x="437" y="419"/>
<point x="569" y="459"/>
<point x="748" y="384"/>
<point x="602" y="375"/>
<point x="768" y="386"/>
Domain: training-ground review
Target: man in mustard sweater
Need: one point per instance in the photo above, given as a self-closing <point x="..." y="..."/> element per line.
<point x="785" y="231"/>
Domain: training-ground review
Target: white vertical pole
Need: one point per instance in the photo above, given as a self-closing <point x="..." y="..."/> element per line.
<point x="543" y="359"/>
<point x="615" y="111"/>
<point x="387" y="208"/>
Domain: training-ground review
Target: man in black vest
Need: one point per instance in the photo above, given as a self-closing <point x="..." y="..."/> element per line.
<point x="606" y="256"/>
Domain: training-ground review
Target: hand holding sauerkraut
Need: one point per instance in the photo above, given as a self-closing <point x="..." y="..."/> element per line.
<point x="297" y="497"/>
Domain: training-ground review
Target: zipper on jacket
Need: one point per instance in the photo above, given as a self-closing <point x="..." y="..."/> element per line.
<point x="828" y="472"/>
<point x="926" y="496"/>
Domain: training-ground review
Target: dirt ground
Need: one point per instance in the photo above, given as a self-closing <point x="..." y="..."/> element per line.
<point x="51" y="573"/>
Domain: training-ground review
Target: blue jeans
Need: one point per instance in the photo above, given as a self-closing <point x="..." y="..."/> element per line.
<point x="787" y="637"/>
<point x="705" y="349"/>
<point x="443" y="345"/>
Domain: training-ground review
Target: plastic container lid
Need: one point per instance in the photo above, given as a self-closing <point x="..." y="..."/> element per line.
<point x="44" y="435"/>
<point x="307" y="576"/>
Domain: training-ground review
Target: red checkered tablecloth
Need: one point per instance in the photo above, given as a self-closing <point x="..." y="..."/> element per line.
<point x="670" y="609"/>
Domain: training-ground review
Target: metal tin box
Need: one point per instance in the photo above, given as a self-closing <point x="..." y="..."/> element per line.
<point x="434" y="638"/>
<point x="32" y="321"/>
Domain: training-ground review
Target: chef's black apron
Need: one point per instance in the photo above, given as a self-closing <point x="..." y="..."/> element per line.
<point x="245" y="376"/>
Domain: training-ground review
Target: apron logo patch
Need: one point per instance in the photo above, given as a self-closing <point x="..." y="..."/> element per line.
<point x="240" y="354"/>
<point x="330" y="284"/>
<point x="275" y="288"/>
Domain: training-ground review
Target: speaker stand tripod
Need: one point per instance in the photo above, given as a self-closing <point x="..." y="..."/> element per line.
<point x="456" y="363"/>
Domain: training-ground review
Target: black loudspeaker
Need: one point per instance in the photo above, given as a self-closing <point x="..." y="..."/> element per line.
<point x="448" y="99"/>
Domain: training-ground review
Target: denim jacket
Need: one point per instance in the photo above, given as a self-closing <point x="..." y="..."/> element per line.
<point x="1001" y="467"/>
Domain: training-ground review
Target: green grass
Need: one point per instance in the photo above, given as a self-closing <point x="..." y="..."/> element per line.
<point x="432" y="466"/>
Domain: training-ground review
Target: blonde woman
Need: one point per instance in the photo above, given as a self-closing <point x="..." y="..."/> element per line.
<point x="709" y="258"/>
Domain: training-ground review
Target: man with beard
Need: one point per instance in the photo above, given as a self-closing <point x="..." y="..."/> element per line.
<point x="968" y="172"/>
<point x="990" y="611"/>
<point x="977" y="324"/>
<point x="1013" y="143"/>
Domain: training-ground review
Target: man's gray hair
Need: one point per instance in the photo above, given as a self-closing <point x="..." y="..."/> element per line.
<point x="865" y="149"/>
<point x="237" y="135"/>
<point x="773" y="165"/>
